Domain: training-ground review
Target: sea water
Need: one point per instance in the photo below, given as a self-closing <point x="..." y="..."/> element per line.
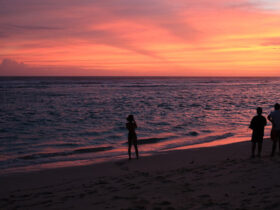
<point x="48" y="122"/>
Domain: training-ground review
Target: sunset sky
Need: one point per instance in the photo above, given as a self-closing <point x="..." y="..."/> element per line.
<point x="140" y="37"/>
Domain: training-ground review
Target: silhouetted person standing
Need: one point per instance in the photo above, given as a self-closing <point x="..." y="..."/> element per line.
<point x="132" y="137"/>
<point x="257" y="125"/>
<point x="274" y="118"/>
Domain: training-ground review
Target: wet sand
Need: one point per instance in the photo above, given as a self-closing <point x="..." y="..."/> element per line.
<point x="221" y="177"/>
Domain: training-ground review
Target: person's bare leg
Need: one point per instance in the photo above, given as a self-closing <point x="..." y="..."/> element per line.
<point x="253" y="149"/>
<point x="129" y="150"/>
<point x="259" y="149"/>
<point x="136" y="150"/>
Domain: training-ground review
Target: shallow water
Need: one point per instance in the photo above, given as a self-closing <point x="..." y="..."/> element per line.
<point x="59" y="121"/>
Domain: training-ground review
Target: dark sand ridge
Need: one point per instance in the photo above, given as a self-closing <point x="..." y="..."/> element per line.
<point x="222" y="177"/>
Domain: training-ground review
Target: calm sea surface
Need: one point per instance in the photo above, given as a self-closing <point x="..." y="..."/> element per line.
<point x="50" y="122"/>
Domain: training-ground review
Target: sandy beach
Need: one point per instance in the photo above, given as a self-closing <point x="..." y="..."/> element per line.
<point x="221" y="177"/>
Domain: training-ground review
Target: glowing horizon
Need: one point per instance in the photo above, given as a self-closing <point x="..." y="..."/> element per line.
<point x="140" y="38"/>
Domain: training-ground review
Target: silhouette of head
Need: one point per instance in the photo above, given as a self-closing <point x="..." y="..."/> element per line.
<point x="130" y="118"/>
<point x="259" y="110"/>
<point x="277" y="106"/>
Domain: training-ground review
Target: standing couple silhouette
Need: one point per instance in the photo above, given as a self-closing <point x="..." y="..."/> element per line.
<point x="257" y="125"/>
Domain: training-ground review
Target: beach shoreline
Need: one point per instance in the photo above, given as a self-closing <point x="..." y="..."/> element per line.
<point x="159" y="147"/>
<point x="221" y="177"/>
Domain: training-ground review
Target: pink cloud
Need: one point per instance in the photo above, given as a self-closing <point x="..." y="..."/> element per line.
<point x="271" y="42"/>
<point x="35" y="19"/>
<point x="128" y="34"/>
<point x="10" y="67"/>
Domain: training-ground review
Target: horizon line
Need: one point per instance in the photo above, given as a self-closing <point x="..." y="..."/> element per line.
<point x="1" y="76"/>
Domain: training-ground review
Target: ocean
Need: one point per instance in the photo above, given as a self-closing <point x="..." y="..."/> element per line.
<point x="48" y="122"/>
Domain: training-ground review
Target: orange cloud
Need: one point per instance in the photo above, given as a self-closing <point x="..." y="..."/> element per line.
<point x="155" y="37"/>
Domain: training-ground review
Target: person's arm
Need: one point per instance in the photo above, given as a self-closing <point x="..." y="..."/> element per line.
<point x="252" y="124"/>
<point x="269" y="117"/>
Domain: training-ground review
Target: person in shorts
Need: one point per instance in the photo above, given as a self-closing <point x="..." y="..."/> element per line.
<point x="274" y="118"/>
<point x="257" y="125"/>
